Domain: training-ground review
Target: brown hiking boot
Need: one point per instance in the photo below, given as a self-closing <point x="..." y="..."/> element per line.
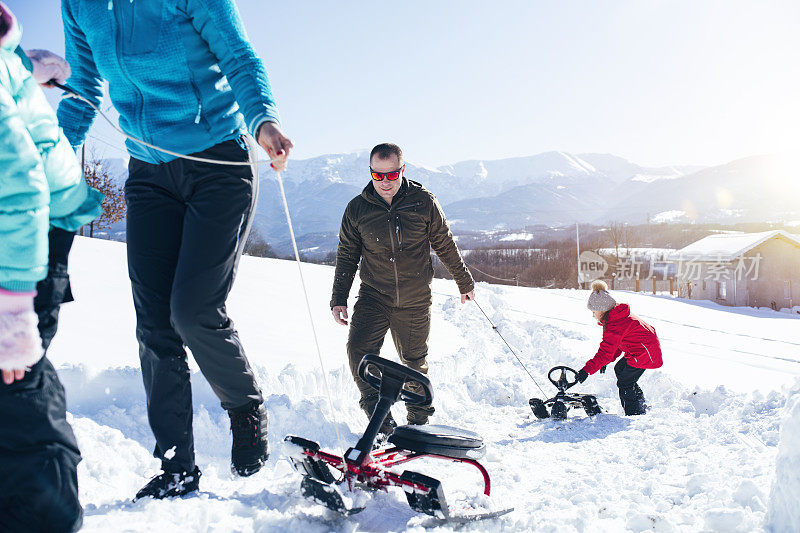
<point x="418" y="415"/>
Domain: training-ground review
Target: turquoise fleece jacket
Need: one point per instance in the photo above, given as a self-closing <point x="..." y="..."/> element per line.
<point x="41" y="183"/>
<point x="181" y="73"/>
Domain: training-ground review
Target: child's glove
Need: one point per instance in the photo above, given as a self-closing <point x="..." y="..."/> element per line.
<point x="20" y="344"/>
<point x="582" y="375"/>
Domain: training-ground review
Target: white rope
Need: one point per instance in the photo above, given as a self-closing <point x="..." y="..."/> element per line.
<point x="310" y="315"/>
<point x="73" y="94"/>
<point x="473" y="267"/>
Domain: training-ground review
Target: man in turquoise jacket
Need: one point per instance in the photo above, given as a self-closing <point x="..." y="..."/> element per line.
<point x="183" y="77"/>
<point x="43" y="200"/>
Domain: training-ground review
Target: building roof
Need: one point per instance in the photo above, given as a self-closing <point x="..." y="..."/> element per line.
<point x="728" y="246"/>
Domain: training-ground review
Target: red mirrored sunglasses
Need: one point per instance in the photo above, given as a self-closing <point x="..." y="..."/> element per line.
<point x="391" y="176"/>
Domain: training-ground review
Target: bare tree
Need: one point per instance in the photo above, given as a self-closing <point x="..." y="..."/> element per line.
<point x="257" y="246"/>
<point x="114" y="203"/>
<point x="618" y="233"/>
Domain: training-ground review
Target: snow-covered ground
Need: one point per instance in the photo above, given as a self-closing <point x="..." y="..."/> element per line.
<point x="702" y="459"/>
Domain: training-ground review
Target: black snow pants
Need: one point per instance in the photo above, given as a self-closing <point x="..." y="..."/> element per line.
<point x="410" y="327"/>
<point x="187" y="224"/>
<point x="630" y="394"/>
<point x="38" y="452"/>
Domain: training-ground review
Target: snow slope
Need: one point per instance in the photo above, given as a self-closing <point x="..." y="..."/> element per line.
<point x="701" y="460"/>
<point x="784" y="514"/>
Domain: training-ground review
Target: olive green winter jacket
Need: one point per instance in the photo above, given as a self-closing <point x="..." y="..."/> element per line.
<point x="393" y="244"/>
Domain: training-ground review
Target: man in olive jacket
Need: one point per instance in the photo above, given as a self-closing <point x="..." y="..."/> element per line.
<point x="390" y="228"/>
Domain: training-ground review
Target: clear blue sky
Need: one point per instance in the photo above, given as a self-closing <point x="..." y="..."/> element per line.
<point x="656" y="81"/>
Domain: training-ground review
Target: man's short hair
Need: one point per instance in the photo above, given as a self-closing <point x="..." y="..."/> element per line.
<point x="386" y="151"/>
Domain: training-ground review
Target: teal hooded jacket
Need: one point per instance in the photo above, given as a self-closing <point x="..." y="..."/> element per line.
<point x="41" y="182"/>
<point x="181" y="73"/>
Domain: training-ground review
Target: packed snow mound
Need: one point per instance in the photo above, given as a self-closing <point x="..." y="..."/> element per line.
<point x="784" y="499"/>
<point x="703" y="458"/>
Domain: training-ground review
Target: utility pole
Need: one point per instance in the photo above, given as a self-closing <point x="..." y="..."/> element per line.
<point x="578" y="248"/>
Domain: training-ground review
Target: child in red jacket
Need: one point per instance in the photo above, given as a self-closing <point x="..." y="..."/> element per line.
<point x="622" y="332"/>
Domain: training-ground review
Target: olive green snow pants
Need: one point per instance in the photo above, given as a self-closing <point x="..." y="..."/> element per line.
<point x="409" y="326"/>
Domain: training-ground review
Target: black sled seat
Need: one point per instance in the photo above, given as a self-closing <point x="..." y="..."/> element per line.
<point x="440" y="440"/>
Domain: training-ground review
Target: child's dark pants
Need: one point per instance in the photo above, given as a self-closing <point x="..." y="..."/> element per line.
<point x="38" y="451"/>
<point x="630" y="394"/>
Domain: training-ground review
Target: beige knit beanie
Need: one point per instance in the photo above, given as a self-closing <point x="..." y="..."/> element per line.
<point x="600" y="300"/>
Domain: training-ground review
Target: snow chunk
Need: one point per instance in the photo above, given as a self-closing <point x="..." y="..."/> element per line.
<point x="749" y="495"/>
<point x="645" y="522"/>
<point x="709" y="402"/>
<point x="727" y="520"/>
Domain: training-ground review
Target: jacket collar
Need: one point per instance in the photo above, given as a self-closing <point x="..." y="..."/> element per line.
<point x="371" y="195"/>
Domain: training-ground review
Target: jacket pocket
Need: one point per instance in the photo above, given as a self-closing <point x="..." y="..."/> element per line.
<point x="199" y="117"/>
<point x="411" y="205"/>
<point x="649" y="355"/>
<point x="146" y="24"/>
<point x="429" y="272"/>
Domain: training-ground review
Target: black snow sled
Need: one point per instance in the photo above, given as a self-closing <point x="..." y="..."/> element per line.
<point x="559" y="404"/>
<point x="337" y="482"/>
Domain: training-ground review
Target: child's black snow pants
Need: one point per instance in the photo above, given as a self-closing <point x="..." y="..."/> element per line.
<point x="630" y="394"/>
<point x="38" y="452"/>
<point x="187" y="223"/>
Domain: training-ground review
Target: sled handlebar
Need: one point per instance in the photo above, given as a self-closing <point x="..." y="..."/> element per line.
<point x="391" y="379"/>
<point x="562" y="383"/>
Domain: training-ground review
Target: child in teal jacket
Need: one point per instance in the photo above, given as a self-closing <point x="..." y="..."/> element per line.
<point x="41" y="182"/>
<point x="43" y="200"/>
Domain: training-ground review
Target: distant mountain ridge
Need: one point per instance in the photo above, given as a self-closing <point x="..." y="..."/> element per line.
<point x="550" y="189"/>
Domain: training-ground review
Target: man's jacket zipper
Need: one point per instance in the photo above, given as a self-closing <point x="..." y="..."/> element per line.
<point x="394" y="261"/>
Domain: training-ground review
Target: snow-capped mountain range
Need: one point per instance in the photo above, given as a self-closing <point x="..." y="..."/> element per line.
<point x="551" y="188"/>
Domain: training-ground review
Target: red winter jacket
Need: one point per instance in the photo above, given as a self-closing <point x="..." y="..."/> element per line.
<point x="624" y="332"/>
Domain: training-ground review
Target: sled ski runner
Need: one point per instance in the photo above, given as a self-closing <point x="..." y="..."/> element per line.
<point x="339" y="482"/>
<point x="466" y="518"/>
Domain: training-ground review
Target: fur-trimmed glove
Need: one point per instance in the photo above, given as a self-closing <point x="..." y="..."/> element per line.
<point x="48" y="66"/>
<point x="20" y="344"/>
<point x="582" y="375"/>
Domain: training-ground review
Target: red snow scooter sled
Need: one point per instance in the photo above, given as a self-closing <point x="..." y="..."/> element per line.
<point x="365" y="468"/>
<point x="561" y="402"/>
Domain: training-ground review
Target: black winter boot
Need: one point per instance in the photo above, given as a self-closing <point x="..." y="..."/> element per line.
<point x="170" y="484"/>
<point x="250" y="448"/>
<point x="632" y="399"/>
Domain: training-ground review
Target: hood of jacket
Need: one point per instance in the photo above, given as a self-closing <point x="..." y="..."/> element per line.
<point x="10" y="31"/>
